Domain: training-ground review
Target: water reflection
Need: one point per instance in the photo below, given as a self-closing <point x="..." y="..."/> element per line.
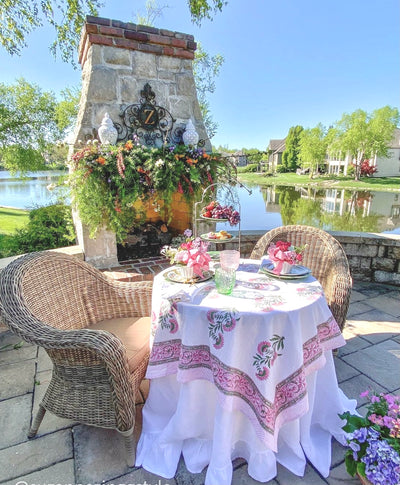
<point x="266" y="208"/>
<point x="31" y="191"/>
<point x="335" y="209"/>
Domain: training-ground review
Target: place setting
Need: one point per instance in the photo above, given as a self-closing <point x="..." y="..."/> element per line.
<point x="283" y="261"/>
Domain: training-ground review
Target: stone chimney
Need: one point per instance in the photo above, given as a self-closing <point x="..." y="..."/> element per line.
<point x="118" y="60"/>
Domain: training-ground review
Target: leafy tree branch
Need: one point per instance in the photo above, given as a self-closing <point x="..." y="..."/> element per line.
<point x="32" y="121"/>
<point x="19" y="18"/>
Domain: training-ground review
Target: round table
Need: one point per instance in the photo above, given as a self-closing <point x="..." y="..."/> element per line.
<point x="249" y="375"/>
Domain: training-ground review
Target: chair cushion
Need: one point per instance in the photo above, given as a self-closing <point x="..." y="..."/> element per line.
<point x="133" y="332"/>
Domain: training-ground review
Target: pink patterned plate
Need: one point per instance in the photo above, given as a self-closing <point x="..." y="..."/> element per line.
<point x="176" y="277"/>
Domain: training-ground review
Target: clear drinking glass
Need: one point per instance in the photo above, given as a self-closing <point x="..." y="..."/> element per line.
<point x="229" y="259"/>
<point x="225" y="280"/>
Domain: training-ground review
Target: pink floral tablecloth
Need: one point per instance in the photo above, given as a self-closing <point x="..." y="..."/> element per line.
<point x="251" y="360"/>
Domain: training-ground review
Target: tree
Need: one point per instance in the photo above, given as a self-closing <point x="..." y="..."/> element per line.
<point x="18" y="18"/>
<point x="290" y="157"/>
<point x="67" y="109"/>
<point x="205" y="69"/>
<point x="152" y="13"/>
<point x="31" y="122"/>
<point x="313" y="146"/>
<point x="202" y="9"/>
<point x="362" y="135"/>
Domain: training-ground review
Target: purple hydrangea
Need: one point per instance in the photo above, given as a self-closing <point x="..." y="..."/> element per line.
<point x="375" y="445"/>
<point x="382" y="463"/>
<point x="360" y="435"/>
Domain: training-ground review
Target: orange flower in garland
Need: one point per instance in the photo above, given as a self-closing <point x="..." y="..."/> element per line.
<point x="106" y="180"/>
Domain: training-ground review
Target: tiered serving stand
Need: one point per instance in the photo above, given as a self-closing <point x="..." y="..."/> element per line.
<point x="226" y="195"/>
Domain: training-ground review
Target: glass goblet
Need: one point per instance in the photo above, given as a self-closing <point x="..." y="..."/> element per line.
<point x="229" y="259"/>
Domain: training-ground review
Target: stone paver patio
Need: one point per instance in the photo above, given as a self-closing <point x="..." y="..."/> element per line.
<point x="69" y="453"/>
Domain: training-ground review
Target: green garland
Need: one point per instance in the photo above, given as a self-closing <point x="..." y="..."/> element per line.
<point x="107" y="180"/>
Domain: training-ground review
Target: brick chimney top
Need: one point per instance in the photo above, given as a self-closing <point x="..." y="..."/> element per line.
<point x="123" y="35"/>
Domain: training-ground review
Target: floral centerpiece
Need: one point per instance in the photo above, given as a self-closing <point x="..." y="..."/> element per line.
<point x="107" y="180"/>
<point x="283" y="255"/>
<point x="191" y="252"/>
<point x="374" y="441"/>
<point x="214" y="210"/>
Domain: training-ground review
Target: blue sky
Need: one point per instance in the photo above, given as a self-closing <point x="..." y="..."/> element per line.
<point x="287" y="62"/>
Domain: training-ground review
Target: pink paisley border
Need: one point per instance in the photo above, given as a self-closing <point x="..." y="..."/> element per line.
<point x="202" y="364"/>
<point x="328" y="337"/>
<point x="231" y="381"/>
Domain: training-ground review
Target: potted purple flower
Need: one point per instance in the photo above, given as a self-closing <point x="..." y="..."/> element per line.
<point x="374" y="441"/>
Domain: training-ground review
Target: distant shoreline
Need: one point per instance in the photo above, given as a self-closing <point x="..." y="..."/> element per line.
<point x="14" y="208"/>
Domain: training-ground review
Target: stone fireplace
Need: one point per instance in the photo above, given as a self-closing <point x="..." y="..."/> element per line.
<point x="118" y="60"/>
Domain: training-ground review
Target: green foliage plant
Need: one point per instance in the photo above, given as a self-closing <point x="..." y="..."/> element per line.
<point x="251" y="167"/>
<point x="107" y="181"/>
<point x="49" y="227"/>
<point x="282" y="169"/>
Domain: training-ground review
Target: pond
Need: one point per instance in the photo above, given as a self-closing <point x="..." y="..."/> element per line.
<point x="30" y="192"/>
<point x="328" y="208"/>
<point x="263" y="209"/>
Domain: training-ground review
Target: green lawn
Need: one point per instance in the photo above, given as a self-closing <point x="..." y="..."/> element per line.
<point x="12" y="219"/>
<point x="386" y="184"/>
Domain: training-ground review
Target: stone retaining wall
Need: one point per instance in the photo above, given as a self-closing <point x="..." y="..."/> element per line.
<point x="372" y="257"/>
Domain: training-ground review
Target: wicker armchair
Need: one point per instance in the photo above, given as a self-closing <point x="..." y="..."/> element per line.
<point x="324" y="256"/>
<point x="95" y="330"/>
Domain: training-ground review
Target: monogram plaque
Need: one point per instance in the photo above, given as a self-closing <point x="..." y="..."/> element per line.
<point x="153" y="125"/>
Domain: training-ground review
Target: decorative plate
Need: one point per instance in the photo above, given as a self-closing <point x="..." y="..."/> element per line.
<point x="296" y="272"/>
<point x="176" y="277"/>
<point x="206" y="238"/>
<point x="212" y="219"/>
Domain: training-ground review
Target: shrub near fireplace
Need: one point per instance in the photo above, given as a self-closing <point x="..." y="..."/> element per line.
<point x="111" y="185"/>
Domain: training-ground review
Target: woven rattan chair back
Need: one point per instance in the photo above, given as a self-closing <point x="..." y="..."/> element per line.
<point x="51" y="299"/>
<point x="324" y="256"/>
